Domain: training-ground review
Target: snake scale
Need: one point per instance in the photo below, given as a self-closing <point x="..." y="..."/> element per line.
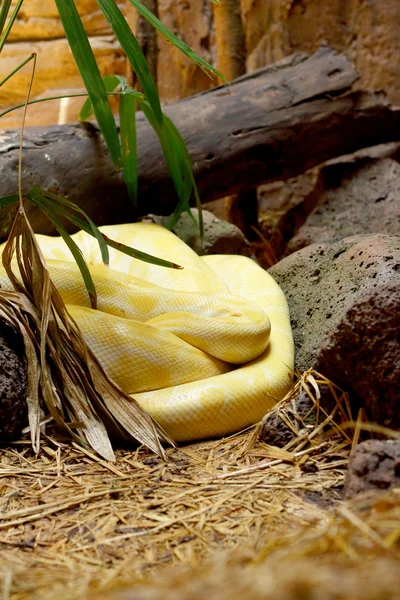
<point x="206" y="350"/>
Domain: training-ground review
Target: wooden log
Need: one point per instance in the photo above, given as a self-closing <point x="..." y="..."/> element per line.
<point x="269" y="125"/>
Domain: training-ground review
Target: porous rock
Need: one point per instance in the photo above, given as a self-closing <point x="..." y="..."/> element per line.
<point x="13" y="383"/>
<point x="356" y="197"/>
<point x="220" y="237"/>
<point x="374" y="465"/>
<point x="275" y="431"/>
<point x="362" y="354"/>
<point x="344" y="300"/>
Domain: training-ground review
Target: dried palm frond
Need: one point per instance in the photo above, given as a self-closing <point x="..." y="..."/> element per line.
<point x="64" y="377"/>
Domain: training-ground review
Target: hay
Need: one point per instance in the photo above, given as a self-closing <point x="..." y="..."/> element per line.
<point x="353" y="555"/>
<point x="75" y="526"/>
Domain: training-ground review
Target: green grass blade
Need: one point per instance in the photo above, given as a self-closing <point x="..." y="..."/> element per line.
<point x="24" y="62"/>
<point x="65" y="208"/>
<point x="6" y="200"/>
<point x="111" y="82"/>
<point x="133" y="52"/>
<point x="90" y="74"/>
<point x="4" y="9"/>
<point x="153" y="260"/>
<point x="138" y="95"/>
<point x="179" y="164"/>
<point x="67" y="212"/>
<point x="171" y="37"/>
<point x="127" y="115"/>
<point x="74" y="249"/>
<point x="5" y="34"/>
<point x="168" y="147"/>
<point x="187" y="161"/>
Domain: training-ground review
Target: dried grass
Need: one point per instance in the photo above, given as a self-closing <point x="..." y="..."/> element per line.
<point x="76" y="526"/>
<point x="64" y="377"/>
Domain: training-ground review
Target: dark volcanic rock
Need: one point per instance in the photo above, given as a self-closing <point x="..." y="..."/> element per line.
<point x="375" y="464"/>
<point x="355" y="198"/>
<point x="13" y="383"/>
<point x="344" y="301"/>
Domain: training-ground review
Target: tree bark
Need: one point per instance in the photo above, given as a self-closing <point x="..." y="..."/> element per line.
<point x="269" y="125"/>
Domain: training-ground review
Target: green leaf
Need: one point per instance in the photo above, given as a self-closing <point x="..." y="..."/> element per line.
<point x="169" y="149"/>
<point x="64" y="207"/>
<point x="127" y="114"/>
<point x="141" y="255"/>
<point x="179" y="164"/>
<point x="39" y="197"/>
<point x="171" y="37"/>
<point x="187" y="161"/>
<point x="5" y="34"/>
<point x="74" y="248"/>
<point x="111" y="82"/>
<point x="90" y="74"/>
<point x="137" y="95"/>
<point x="24" y="62"/>
<point x="6" y="200"/>
<point x="133" y="52"/>
<point x="4" y="9"/>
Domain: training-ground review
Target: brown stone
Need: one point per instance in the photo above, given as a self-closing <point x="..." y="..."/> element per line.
<point x="353" y="198"/>
<point x="275" y="431"/>
<point x="362" y="354"/>
<point x="344" y="300"/>
<point x="374" y="465"/>
<point x="283" y="206"/>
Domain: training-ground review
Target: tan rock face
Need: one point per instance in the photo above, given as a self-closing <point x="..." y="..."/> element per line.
<point x="192" y="21"/>
<point x="55" y="73"/>
<point x="38" y="20"/>
<point x="266" y="30"/>
<point x="369" y="31"/>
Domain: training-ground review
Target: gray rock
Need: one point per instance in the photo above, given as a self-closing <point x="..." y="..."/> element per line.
<point x="374" y="465"/>
<point x="362" y="354"/>
<point x="355" y="197"/>
<point x="13" y="383"/>
<point x="344" y="301"/>
<point x="220" y="237"/>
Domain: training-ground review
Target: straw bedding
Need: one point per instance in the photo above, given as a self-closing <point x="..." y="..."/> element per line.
<point x="229" y="518"/>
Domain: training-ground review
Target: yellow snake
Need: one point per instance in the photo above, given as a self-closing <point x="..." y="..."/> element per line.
<point x="206" y="350"/>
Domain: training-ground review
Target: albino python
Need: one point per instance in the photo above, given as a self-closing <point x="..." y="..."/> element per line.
<point x="206" y="350"/>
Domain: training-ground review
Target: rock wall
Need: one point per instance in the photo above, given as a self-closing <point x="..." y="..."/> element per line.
<point x="368" y="30"/>
<point x="38" y="29"/>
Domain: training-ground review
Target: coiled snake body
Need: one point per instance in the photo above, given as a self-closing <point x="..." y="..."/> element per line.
<point x="206" y="350"/>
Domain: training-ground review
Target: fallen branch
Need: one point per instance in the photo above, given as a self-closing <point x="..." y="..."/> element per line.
<point x="268" y="125"/>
